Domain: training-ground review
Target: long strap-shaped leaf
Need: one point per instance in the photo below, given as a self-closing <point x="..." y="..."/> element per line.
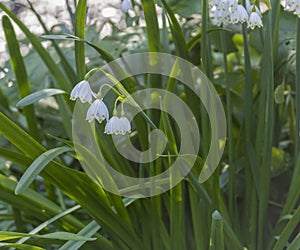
<point x="32" y="203"/>
<point x="5" y="245"/>
<point x="76" y="185"/>
<point x="79" y="32"/>
<point x="21" y="74"/>
<point x="37" y="166"/>
<point x="56" y="236"/>
<point x="178" y="37"/>
<point x="61" y="79"/>
<point x="64" y="61"/>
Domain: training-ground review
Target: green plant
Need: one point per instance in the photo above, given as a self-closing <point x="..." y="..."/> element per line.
<point x="251" y="200"/>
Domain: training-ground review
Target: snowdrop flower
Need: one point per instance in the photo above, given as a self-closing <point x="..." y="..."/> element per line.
<point x="293" y="5"/>
<point x="254" y="20"/>
<point x="222" y="16"/>
<point x="117" y="126"/>
<point x="239" y="15"/>
<point x="98" y="111"/>
<point x="83" y="91"/>
<point x="126" y="5"/>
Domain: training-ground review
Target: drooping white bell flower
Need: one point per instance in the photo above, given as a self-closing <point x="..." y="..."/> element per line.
<point x="98" y="111"/>
<point x="293" y="6"/>
<point x="83" y="91"/>
<point x="117" y="126"/>
<point x="239" y="14"/>
<point x="254" y="21"/>
<point x="126" y="5"/>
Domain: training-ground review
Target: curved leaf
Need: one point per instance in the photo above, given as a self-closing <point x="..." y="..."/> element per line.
<point x="55" y="236"/>
<point x="19" y="246"/>
<point x="59" y="76"/>
<point x="79" y="45"/>
<point x="36" y="96"/>
<point x="37" y="166"/>
<point x="20" y="73"/>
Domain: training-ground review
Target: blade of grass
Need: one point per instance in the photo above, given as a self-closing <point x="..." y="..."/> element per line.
<point x="35" y="204"/>
<point x="297" y="97"/>
<point x="37" y="166"/>
<point x="20" y="246"/>
<point x="267" y="103"/>
<point x="97" y="204"/>
<point x="56" y="236"/>
<point x="61" y="79"/>
<point x="291" y="201"/>
<point x="295" y="243"/>
<point x="177" y="33"/>
<point x="48" y="222"/>
<point x="229" y="129"/>
<point x="176" y="211"/>
<point x="151" y="25"/>
<point x="217" y="235"/>
<point x="88" y="231"/>
<point x="205" y="63"/>
<point x="20" y="73"/>
<point x="288" y="230"/>
<point x="79" y="32"/>
<point x="66" y="65"/>
<point x="36" y="96"/>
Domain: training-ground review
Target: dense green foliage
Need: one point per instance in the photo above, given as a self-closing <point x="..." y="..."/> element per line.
<point x="250" y="202"/>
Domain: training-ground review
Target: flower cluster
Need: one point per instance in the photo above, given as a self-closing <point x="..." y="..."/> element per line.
<point x="232" y="12"/>
<point x="98" y="110"/>
<point x="293" y="6"/>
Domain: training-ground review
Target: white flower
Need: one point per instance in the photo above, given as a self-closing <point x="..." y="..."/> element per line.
<point x="126" y="5"/>
<point x="294" y="6"/>
<point x="83" y="91"/>
<point x="125" y="125"/>
<point x="290" y="5"/>
<point x="254" y="20"/>
<point x="117" y="126"/>
<point x="221" y="16"/>
<point x="239" y="15"/>
<point x="253" y="8"/>
<point x="232" y="4"/>
<point x="98" y="111"/>
<point x="297" y="11"/>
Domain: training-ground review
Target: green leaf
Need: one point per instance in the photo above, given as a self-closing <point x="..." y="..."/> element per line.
<point x="58" y="37"/>
<point x="178" y="37"/>
<point x="228" y="46"/>
<point x="59" y="76"/>
<point x="288" y="230"/>
<point x="32" y="203"/>
<point x="77" y="185"/>
<point x="217" y="235"/>
<point x="36" y="96"/>
<point x="79" y="32"/>
<point x="151" y="25"/>
<point x="295" y="243"/>
<point x="88" y="231"/>
<point x="64" y="61"/>
<point x="20" y="73"/>
<point x="4" y="245"/>
<point x="182" y="7"/>
<point x="55" y="236"/>
<point x="37" y="166"/>
<point x="50" y="221"/>
<point x="279" y="94"/>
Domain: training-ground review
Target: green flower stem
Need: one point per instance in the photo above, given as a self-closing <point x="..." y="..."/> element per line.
<point x="266" y="125"/>
<point x="99" y="94"/>
<point x="229" y="128"/>
<point x="297" y="97"/>
<point x="250" y="199"/>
